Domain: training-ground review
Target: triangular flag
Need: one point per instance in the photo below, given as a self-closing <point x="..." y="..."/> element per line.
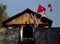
<point x="40" y="9"/>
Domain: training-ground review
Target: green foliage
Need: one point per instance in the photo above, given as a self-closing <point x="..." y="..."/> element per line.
<point x="3" y="14"/>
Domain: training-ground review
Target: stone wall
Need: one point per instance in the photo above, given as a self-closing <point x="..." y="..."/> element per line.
<point x="46" y="36"/>
<point x="9" y="36"/>
<point x="42" y="36"/>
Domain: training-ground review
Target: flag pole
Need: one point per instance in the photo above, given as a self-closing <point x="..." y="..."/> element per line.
<point x="34" y="19"/>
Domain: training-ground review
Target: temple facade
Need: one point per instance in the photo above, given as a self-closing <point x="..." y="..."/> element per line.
<point x="28" y="22"/>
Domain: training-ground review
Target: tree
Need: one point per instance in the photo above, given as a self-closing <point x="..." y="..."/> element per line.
<point x="3" y="14"/>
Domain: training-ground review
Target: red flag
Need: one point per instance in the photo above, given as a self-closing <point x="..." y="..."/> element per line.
<point x="50" y="6"/>
<point x="40" y="9"/>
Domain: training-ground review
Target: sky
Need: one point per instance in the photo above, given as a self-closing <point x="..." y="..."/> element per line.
<point x="16" y="6"/>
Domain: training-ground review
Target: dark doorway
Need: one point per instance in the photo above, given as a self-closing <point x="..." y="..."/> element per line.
<point x="28" y="32"/>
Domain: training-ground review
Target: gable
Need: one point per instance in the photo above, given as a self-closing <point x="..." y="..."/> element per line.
<point x="25" y="17"/>
<point x="20" y="14"/>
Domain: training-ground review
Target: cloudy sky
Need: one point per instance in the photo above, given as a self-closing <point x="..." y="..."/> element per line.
<point x="16" y="6"/>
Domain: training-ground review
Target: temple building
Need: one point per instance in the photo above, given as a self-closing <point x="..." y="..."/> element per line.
<point x="27" y="21"/>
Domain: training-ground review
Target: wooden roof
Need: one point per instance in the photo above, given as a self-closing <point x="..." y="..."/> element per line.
<point x="22" y="17"/>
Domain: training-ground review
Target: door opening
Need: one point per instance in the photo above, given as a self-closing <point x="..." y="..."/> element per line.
<point x="28" y="31"/>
